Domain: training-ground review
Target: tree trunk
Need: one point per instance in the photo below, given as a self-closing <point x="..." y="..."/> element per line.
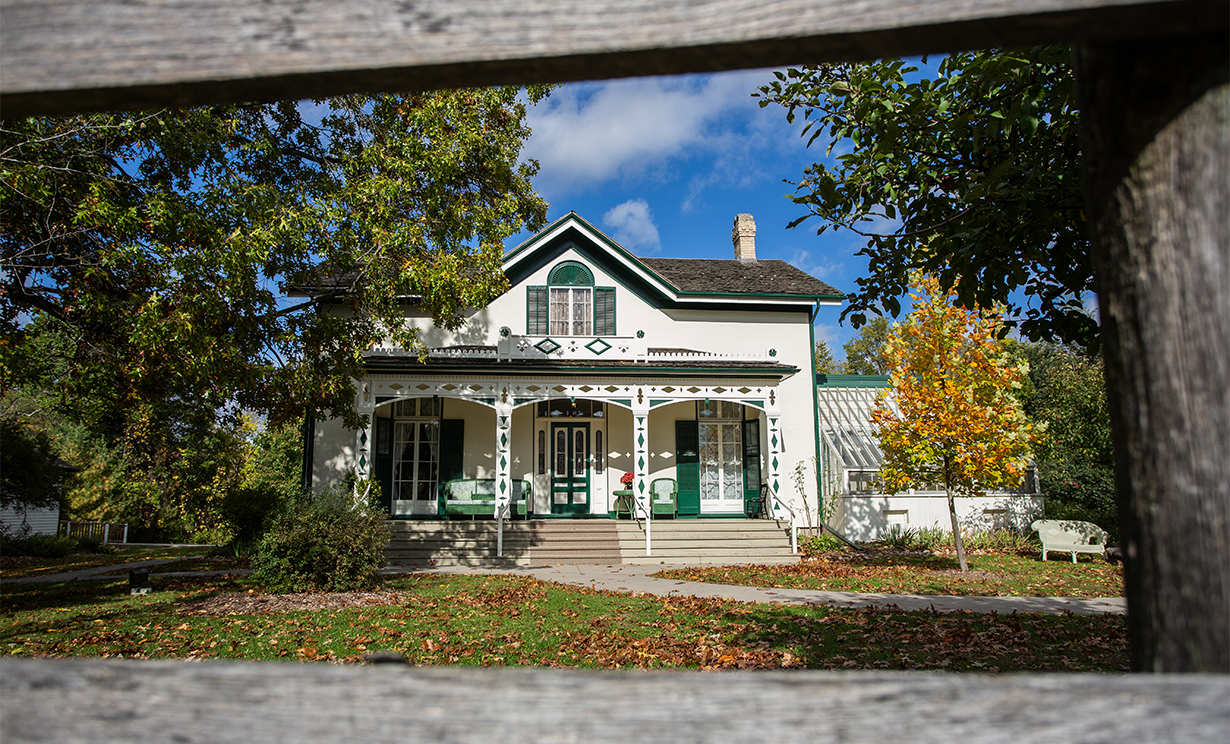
<point x="957" y="542"/>
<point x="1155" y="132"/>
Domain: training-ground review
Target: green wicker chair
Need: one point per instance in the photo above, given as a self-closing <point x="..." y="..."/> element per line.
<point x="664" y="497"/>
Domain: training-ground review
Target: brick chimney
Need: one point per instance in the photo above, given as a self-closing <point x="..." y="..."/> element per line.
<point x="744" y="238"/>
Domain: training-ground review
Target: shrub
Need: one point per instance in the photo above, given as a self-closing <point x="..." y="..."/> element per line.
<point x="812" y="546"/>
<point x="324" y="543"/>
<point x="39" y="546"/>
<point x="94" y="545"/>
<point x="900" y="536"/>
<point x="1000" y="541"/>
<point x="1106" y="519"/>
<point x="930" y="538"/>
<point x="249" y="510"/>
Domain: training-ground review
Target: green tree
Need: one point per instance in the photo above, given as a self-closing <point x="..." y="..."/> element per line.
<point x="865" y="352"/>
<point x="272" y="479"/>
<point x="29" y="476"/>
<point x="974" y="172"/>
<point x="164" y="244"/>
<point x="1076" y="464"/>
<point x="953" y="418"/>
<point x="825" y="363"/>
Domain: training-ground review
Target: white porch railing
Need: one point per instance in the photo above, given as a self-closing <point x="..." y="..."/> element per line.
<point x="583" y="348"/>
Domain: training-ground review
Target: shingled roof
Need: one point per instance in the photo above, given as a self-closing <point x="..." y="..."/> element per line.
<point x="771" y="276"/>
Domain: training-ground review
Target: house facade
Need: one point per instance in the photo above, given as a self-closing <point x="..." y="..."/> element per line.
<point x="695" y="373"/>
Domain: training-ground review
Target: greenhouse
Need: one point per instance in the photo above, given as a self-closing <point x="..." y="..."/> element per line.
<point x="850" y="458"/>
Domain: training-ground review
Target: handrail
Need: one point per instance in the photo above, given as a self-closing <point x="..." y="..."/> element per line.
<point x="794" y="522"/>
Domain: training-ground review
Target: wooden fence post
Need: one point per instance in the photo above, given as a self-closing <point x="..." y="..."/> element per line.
<point x="1155" y="133"/>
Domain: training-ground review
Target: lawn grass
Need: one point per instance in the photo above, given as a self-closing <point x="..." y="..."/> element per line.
<point x="18" y="567"/>
<point x="897" y="572"/>
<point x="505" y="621"/>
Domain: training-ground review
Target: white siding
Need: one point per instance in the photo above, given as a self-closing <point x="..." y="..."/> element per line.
<point x="40" y="521"/>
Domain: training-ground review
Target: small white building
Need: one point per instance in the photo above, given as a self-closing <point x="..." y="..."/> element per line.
<point x="850" y="466"/>
<point x="35" y="521"/>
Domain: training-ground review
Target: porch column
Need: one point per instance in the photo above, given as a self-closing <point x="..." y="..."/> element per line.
<point x="773" y="414"/>
<point x="503" y="462"/>
<point x="363" y="445"/>
<point x="640" y="463"/>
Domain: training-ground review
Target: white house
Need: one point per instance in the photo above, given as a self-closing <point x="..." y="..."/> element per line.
<point x="596" y="363"/>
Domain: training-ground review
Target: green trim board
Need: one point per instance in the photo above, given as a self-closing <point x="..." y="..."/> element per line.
<point x="854" y="381"/>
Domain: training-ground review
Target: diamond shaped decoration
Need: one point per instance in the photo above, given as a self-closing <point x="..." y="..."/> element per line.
<point x="503" y="462"/>
<point x="362" y="462"/>
<point x="547" y="346"/>
<point x="363" y="437"/>
<point x="503" y="485"/>
<point x="640" y="441"/>
<point x="598" y="346"/>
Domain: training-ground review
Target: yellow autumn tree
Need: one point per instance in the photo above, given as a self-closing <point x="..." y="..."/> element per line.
<point x="953" y="417"/>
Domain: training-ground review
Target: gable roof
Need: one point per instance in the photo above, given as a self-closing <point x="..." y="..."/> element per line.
<point x="673" y="279"/>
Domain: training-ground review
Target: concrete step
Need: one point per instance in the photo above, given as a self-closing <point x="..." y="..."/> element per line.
<point x="597" y="541"/>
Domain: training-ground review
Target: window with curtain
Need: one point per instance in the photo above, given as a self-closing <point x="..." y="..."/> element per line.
<point x="570" y="305"/>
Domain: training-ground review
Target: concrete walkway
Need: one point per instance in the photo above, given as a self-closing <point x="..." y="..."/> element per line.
<point x="636" y="578"/>
<point x="90" y="573"/>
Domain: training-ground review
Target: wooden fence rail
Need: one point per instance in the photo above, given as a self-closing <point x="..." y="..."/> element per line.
<point x="69" y="56"/>
<point x="94" y="701"/>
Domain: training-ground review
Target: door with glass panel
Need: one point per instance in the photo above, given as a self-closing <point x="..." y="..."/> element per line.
<point x="570" y="468"/>
<point x="721" y="457"/>
<point x="416" y="456"/>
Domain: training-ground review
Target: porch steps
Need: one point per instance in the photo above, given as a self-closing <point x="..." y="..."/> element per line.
<point x="599" y="541"/>
<point x="707" y="541"/>
<point x="525" y="543"/>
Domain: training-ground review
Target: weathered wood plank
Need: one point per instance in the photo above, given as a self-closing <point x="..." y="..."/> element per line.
<point x="68" y="701"/>
<point x="1155" y="133"/>
<point x="67" y="56"/>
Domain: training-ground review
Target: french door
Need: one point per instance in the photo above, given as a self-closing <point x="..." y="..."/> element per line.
<point x="570" y="468"/>
<point x="721" y="467"/>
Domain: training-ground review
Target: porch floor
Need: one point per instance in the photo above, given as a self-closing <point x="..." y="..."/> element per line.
<point x="548" y="542"/>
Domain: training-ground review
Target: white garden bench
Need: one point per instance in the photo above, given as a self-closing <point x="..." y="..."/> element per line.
<point x="1070" y="536"/>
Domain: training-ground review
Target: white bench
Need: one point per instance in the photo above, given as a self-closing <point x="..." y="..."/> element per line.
<point x="1070" y="536"/>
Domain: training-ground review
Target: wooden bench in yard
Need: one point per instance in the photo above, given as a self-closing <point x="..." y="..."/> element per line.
<point x="1070" y="536"/>
<point x="475" y="497"/>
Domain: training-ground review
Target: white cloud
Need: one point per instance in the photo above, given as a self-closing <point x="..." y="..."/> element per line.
<point x="817" y="267"/>
<point x="633" y="226"/>
<point x="831" y="335"/>
<point x="586" y="134"/>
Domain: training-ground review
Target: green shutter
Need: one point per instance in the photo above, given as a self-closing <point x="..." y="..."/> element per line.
<point x="452" y="449"/>
<point x="382" y="446"/>
<point x="687" y="466"/>
<point x="751" y="458"/>
<point x="537" y="319"/>
<point x="604" y="311"/>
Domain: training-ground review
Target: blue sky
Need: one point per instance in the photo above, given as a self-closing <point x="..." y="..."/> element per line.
<point x="663" y="164"/>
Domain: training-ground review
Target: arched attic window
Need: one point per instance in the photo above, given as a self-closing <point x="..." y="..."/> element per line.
<point x="570" y="304"/>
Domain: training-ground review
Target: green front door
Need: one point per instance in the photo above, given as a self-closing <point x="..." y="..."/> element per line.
<point x="570" y="474"/>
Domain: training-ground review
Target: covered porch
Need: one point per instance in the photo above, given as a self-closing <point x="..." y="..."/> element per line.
<point x="450" y="448"/>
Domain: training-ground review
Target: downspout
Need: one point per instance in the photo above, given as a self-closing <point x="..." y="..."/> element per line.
<point x="815" y="410"/>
